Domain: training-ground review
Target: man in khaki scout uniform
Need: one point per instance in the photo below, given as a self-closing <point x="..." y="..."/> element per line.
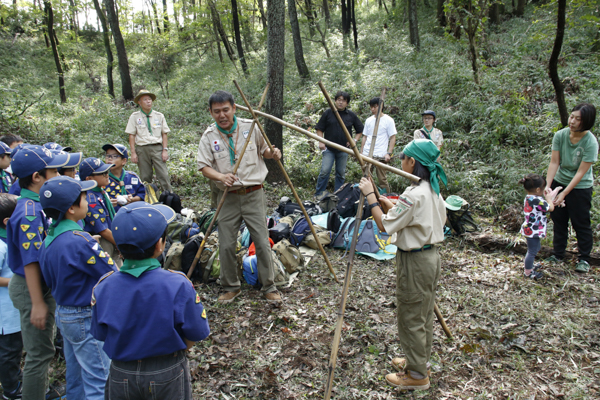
<point x="218" y="151"/>
<point x="148" y="140"/>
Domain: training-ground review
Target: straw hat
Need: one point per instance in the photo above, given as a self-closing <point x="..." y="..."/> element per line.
<point x="144" y="92"/>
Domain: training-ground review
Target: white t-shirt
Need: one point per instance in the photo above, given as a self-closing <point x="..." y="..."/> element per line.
<point x="387" y="129"/>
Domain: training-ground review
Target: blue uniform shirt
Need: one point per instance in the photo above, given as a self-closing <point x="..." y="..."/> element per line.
<point x="97" y="219"/>
<point x="6" y="181"/>
<point x="25" y="232"/>
<point x="127" y="183"/>
<point x="148" y="316"/>
<point x="10" y="322"/>
<point x="15" y="188"/>
<point x="72" y="262"/>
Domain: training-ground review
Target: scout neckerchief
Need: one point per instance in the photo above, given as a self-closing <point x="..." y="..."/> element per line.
<point x="4" y="177"/>
<point x="427" y="132"/>
<point x="138" y="267"/>
<point x="230" y="143"/>
<point x="108" y="205"/>
<point x="28" y="194"/>
<point x="120" y="181"/>
<point x="63" y="226"/>
<point x="148" y="120"/>
<point x="3" y="233"/>
<point x="427" y="153"/>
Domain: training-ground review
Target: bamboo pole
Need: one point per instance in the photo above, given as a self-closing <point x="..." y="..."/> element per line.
<point x="336" y="146"/>
<point x="290" y="184"/>
<point x="214" y="219"/>
<point x="440" y="319"/>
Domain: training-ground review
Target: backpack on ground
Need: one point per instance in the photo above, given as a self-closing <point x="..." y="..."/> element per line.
<point x="250" y="272"/>
<point x="287" y="207"/>
<point x="208" y="267"/>
<point x="289" y="255"/>
<point x="205" y="219"/>
<point x="367" y="239"/>
<point x="173" y="258"/>
<point x="340" y="240"/>
<point x="323" y="235"/>
<point x="299" y="231"/>
<point x="348" y="195"/>
<point x="172" y="200"/>
<point x="179" y="229"/>
<point x="311" y="208"/>
<point x="282" y="277"/>
<point x="333" y="221"/>
<point x="279" y="232"/>
<point x="461" y="221"/>
<point x="151" y="193"/>
<point x="327" y="201"/>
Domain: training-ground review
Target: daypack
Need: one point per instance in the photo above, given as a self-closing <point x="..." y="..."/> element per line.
<point x="323" y="235"/>
<point x="327" y="201"/>
<point x="287" y="207"/>
<point x="311" y="208"/>
<point x="208" y="267"/>
<point x="151" y="193"/>
<point x="341" y="240"/>
<point x="280" y="231"/>
<point x="461" y="220"/>
<point x="250" y="272"/>
<point x="299" y="231"/>
<point x="172" y="200"/>
<point x="333" y="221"/>
<point x="367" y="241"/>
<point x="348" y="196"/>
<point x="290" y="256"/>
<point x="282" y="277"/>
<point x="205" y="219"/>
<point x="173" y="259"/>
<point x="179" y="228"/>
<point x="290" y="219"/>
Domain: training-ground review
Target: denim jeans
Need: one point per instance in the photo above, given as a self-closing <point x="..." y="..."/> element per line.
<point x="533" y="247"/>
<point x="11" y="351"/>
<point x="329" y="157"/>
<point x="163" y="377"/>
<point x="87" y="363"/>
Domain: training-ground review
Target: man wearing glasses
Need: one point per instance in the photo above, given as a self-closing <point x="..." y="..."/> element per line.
<point x="124" y="186"/>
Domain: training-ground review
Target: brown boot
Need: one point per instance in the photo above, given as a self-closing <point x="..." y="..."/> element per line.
<point x="405" y="381"/>
<point x="273" y="297"/>
<point x="400" y="363"/>
<point x="228" y="297"/>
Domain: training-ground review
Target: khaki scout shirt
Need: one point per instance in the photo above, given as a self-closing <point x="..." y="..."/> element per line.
<point x="138" y="126"/>
<point x="417" y="219"/>
<point x="213" y="152"/>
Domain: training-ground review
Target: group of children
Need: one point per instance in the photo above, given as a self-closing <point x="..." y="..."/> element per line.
<point x="81" y="247"/>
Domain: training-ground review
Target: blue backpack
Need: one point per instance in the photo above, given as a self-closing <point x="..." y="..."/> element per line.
<point x="250" y="272"/>
<point x="299" y="231"/>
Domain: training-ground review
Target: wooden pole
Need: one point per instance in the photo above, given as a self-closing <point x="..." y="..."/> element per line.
<point x="442" y="322"/>
<point x="336" y="146"/>
<point x="214" y="219"/>
<point x="290" y="184"/>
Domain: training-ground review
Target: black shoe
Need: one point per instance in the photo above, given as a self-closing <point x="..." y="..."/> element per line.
<point x="56" y="392"/>
<point x="534" y="275"/>
<point x="15" y="394"/>
<point x="537" y="267"/>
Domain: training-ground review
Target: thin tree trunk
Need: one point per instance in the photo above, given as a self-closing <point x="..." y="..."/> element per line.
<point x="218" y="41"/>
<point x="109" y="56"/>
<point x="113" y="20"/>
<point x="494" y="13"/>
<point x="553" y="63"/>
<point x="309" y="16"/>
<point x="345" y="24"/>
<point x="413" y="24"/>
<point x="263" y="18"/>
<point x="275" y="63"/>
<point x="354" y="31"/>
<point x="298" y="52"/>
<point x="217" y="22"/>
<point x="165" y="17"/>
<point x="156" y="20"/>
<point x="441" y="15"/>
<point x="520" y="10"/>
<point x="59" y="70"/>
<point x="471" y="32"/>
<point x="327" y="13"/>
<point x="238" y="36"/>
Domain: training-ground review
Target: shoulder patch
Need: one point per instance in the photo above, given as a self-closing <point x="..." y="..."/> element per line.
<point x="92" y="260"/>
<point x="204" y="313"/>
<point x="93" y="303"/>
<point x="403" y="204"/>
<point x="25" y="227"/>
<point x="30" y="208"/>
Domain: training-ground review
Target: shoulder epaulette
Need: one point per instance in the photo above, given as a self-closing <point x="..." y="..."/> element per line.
<point x="84" y="235"/>
<point x="93" y="302"/>
<point x="30" y="208"/>
<point x="181" y="273"/>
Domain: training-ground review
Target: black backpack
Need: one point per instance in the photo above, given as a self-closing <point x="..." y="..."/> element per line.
<point x="287" y="207"/>
<point x="333" y="221"/>
<point x="172" y="200"/>
<point x="348" y="196"/>
<point x="461" y="220"/>
<point x="279" y="232"/>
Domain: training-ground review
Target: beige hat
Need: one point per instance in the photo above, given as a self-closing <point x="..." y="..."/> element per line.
<point x="144" y="92"/>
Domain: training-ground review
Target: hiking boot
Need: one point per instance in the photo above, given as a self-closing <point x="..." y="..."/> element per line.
<point x="407" y="382"/>
<point x="273" y="297"/>
<point x="15" y="394"/>
<point x="582" y="266"/>
<point x="400" y="363"/>
<point x="554" y="260"/>
<point x="228" y="297"/>
<point x="534" y="275"/>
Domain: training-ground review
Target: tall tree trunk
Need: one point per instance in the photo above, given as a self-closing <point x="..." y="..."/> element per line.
<point x="494" y="13"/>
<point x="520" y="10"/>
<point x="113" y="20"/>
<point x="310" y="17"/>
<point x="263" y="16"/>
<point x="109" y="56"/>
<point x="327" y="13"/>
<point x="165" y="17"/>
<point x="275" y="63"/>
<point x="217" y="22"/>
<point x="553" y="63"/>
<point x="345" y="23"/>
<point x="441" y="15"/>
<point x="298" y="52"/>
<point x="471" y="34"/>
<point x="156" y="20"/>
<point x="218" y="41"/>
<point x="354" y="31"/>
<point x="59" y="70"/>
<point x="238" y="36"/>
<point x="413" y="24"/>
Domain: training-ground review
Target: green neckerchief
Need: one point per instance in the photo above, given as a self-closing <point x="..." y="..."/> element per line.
<point x="230" y="136"/>
<point x="148" y="120"/>
<point x="63" y="226"/>
<point x="427" y="153"/>
<point x="3" y="233"/>
<point x="138" y="267"/>
<point x="4" y="177"/>
<point x="28" y="194"/>
<point x="427" y="130"/>
<point x="109" y="206"/>
<point x="120" y="181"/>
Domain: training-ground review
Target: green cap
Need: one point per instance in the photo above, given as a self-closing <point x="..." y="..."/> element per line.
<point x="455" y="203"/>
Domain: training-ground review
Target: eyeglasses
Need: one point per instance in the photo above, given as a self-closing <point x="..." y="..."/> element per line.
<point x="102" y="174"/>
<point x="112" y="156"/>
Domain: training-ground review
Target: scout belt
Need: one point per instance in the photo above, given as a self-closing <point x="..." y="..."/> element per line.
<point x="246" y="190"/>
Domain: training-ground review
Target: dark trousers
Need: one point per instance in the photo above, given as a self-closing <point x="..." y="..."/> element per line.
<point x="577" y="209"/>
<point x="163" y="377"/>
<point x="11" y="351"/>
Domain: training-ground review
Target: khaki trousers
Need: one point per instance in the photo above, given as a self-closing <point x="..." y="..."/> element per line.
<point x="382" y="179"/>
<point x="416" y="281"/>
<point x="252" y="208"/>
<point x="149" y="158"/>
<point x="214" y="194"/>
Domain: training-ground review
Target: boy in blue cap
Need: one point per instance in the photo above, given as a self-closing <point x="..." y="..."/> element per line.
<point x="147" y="316"/>
<point x="26" y="230"/>
<point x="101" y="212"/>
<point x="71" y="275"/>
<point x="6" y="178"/>
<point x="122" y="183"/>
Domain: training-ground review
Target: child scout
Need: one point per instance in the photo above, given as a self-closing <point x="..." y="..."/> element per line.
<point x="98" y="220"/>
<point x="147" y="316"/>
<point x="26" y="230"/>
<point x="5" y="159"/>
<point x="125" y="186"/>
<point x="71" y="275"/>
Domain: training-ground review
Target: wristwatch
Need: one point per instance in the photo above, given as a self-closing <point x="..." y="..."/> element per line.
<point x="372" y="206"/>
<point x="166" y="148"/>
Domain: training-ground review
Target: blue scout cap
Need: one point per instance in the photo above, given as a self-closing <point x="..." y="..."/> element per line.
<point x="4" y="149"/>
<point x="34" y="158"/>
<point x="74" y="160"/>
<point x="119" y="148"/>
<point x="429" y="112"/>
<point x="91" y="166"/>
<point x="56" y="146"/>
<point x="61" y="192"/>
<point x="141" y="224"/>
